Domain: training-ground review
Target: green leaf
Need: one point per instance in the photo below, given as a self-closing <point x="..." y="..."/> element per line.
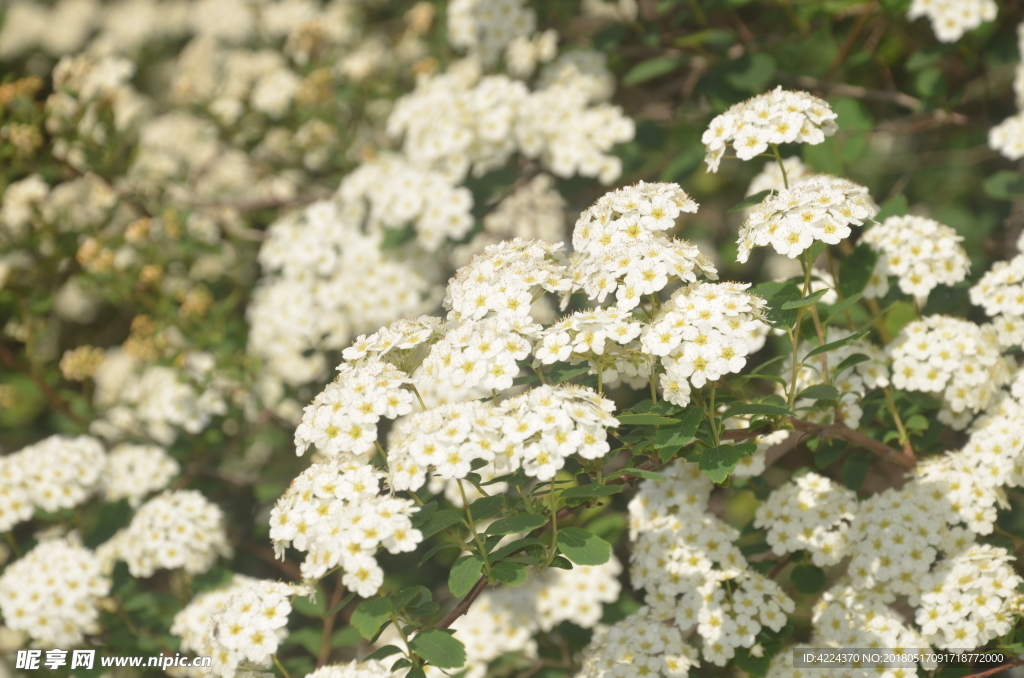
<point x="750" y="201"/>
<point x="917" y="423"/>
<point x="303" y="605"/>
<point x="424" y="514"/>
<point x="485" y="507"/>
<point x="341" y="604"/>
<point x="777" y="294"/>
<point x="646" y="419"/>
<point x="464" y="574"/>
<point x="893" y="207"/>
<point x="1004" y="185"/>
<point x="439" y="648"/>
<point x="855" y="470"/>
<point x="651" y="69"/>
<point x="512" y="574"/>
<point x="370" y="615"/>
<point x="412" y="596"/>
<point x="839" y="308"/>
<point x="828" y="452"/>
<point x="808" y="579"/>
<point x="512" y="547"/>
<point x="670" y="439"/>
<point x="383" y="652"/>
<point x="856" y="270"/>
<point x="848" y="362"/>
<point x="639" y="473"/>
<point x="439" y="521"/>
<point x="582" y="547"/>
<point x="754" y="666"/>
<point x="832" y="346"/>
<point x="758" y="69"/>
<point x="591" y="490"/>
<point x="819" y="392"/>
<point x="564" y="371"/>
<point x="521" y="523"/>
<point x="561" y="563"/>
<point x="756" y="408"/>
<point x="718" y="462"/>
<point x="437" y="548"/>
<point x="806" y="301"/>
<point x="397" y="237"/>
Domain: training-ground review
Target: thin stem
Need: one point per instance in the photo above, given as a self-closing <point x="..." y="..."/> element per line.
<point x="282" y="669"/>
<point x="526" y="500"/>
<point x="904" y="436"/>
<point x="554" y="526"/>
<point x="711" y="415"/>
<point x="418" y="397"/>
<point x="472" y="528"/>
<point x="813" y="308"/>
<point x="328" y="628"/>
<point x="654" y="387"/>
<point x="782" y="165"/>
<point x="13" y="543"/>
<point x="835" y="279"/>
<point x="540" y="373"/>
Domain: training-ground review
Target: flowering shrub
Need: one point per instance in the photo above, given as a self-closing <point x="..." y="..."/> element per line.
<point x="359" y="339"/>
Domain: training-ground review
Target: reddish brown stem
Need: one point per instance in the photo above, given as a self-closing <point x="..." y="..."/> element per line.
<point x="325" y="636"/>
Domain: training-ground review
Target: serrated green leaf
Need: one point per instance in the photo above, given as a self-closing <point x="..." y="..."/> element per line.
<point x="819" y="392"/>
<point x="750" y="201"/>
<point x="424" y="514"/>
<point x="382" y="652"/>
<point x="776" y="294"/>
<point x="806" y="301"/>
<point x="718" y="462"/>
<point x="582" y="547"/>
<point x="561" y="563"/>
<point x="464" y="574"/>
<point x="512" y="547"/>
<point x="439" y="648"/>
<point x="808" y="579"/>
<point x="592" y="490"/>
<point x="521" y="523"/>
<point x="370" y="615"/>
<point x="437" y="548"/>
<point x="639" y="473"/>
<point x="670" y="439"/>
<point x="848" y="362"/>
<point x="560" y="372"/>
<point x="840" y="308"/>
<point x="411" y="596"/>
<point x="832" y="346"/>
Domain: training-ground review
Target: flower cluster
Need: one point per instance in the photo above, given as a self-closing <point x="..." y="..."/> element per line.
<point x="1008" y="136"/>
<point x="133" y="471"/>
<point x="51" y="593"/>
<point x="56" y="473"/>
<point x="178" y="528"/>
<point x="324" y="281"/>
<point x="950" y="19"/>
<point x="639" y="645"/>
<point x="604" y="337"/>
<point x="505" y="280"/>
<point x="342" y="419"/>
<point x="354" y="669"/>
<point x="247" y="629"/>
<point x="621" y="247"/>
<point x="705" y="331"/>
<point x="192" y="624"/>
<point x="535" y="431"/>
<point x="956" y="358"/>
<point x="484" y="352"/>
<point x="821" y="209"/>
<point x="845" y="616"/>
<point x="809" y="514"/>
<point x="335" y="513"/>
<point x="485" y="27"/>
<point x="1000" y="292"/>
<point x="777" y="117"/>
<point x="964" y="600"/>
<point x="389" y="193"/>
<point x="919" y="251"/>
<point x="853" y="384"/>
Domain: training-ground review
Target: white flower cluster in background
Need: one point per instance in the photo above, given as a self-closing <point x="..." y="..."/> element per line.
<point x="335" y="512"/>
<point x="56" y="473"/>
<point x="621" y="246"/>
<point x="250" y="625"/>
<point x="955" y="358"/>
<point x="604" y="337"/>
<point x="175" y="529"/>
<point x="853" y="383"/>
<point x="777" y="117"/>
<point x="533" y="211"/>
<point x="845" y="615"/>
<point x="487" y="27"/>
<point x="638" y="645"/>
<point x="484" y="352"/>
<point x="388" y="193"/>
<point x="822" y="209"/>
<point x="51" y="593"/>
<point x="1008" y="136"/>
<point x="535" y="431"/>
<point x="133" y="471"/>
<point x="1000" y="292"/>
<point x="458" y="121"/>
<point x="810" y="513"/>
<point x="920" y="252"/>
<point x="704" y="331"/>
<point x="950" y="19"/>
<point x="354" y="669"/>
<point x="325" y="281"/>
<point x="141" y="399"/>
<point x="770" y="178"/>
<point x="192" y="624"/>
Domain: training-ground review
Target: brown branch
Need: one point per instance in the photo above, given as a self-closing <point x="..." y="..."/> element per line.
<point x="995" y="670"/>
<point x="51" y="396"/>
<point x="464" y="604"/>
<point x="848" y="434"/>
<point x="851" y="38"/>
<point x="267" y="555"/>
<point x="325" y="636"/>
